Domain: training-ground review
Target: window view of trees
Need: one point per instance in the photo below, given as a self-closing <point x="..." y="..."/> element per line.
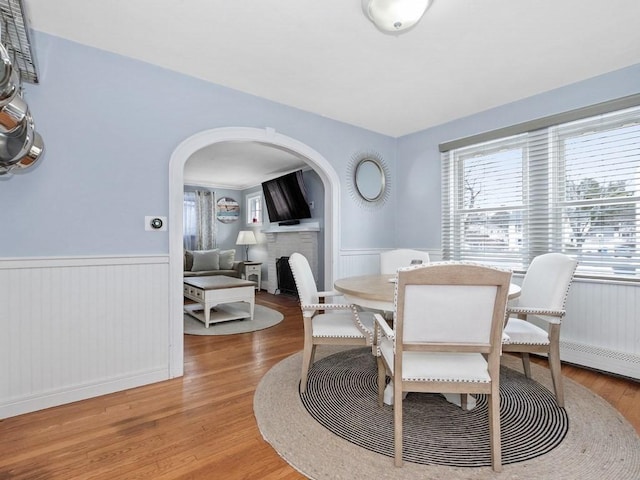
<point x="602" y="195"/>
<point x="596" y="219"/>
<point x="573" y="188"/>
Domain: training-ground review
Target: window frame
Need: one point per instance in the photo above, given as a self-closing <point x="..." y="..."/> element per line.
<point x="545" y="219"/>
<point x="251" y="200"/>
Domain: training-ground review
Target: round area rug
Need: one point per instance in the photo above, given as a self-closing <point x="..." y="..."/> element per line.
<point x="599" y="445"/>
<point x="342" y="395"/>
<point x="263" y="317"/>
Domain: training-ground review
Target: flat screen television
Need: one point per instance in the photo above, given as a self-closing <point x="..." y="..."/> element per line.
<point x="286" y="198"/>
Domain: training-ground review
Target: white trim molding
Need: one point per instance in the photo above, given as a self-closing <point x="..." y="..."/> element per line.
<point x="181" y="154"/>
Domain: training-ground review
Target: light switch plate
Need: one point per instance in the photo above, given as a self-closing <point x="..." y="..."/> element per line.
<point x="155" y="223"/>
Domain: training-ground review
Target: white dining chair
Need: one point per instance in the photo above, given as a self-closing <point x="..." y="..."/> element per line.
<point x="391" y="260"/>
<point x="446" y="338"/>
<point x="542" y="299"/>
<point x="326" y="323"/>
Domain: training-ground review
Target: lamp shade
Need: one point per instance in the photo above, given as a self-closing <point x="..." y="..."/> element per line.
<point x="246" y="237"/>
<point x="393" y="16"/>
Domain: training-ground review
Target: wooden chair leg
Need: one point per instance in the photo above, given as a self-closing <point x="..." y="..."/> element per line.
<point x="555" y="366"/>
<point x="556" y="376"/>
<point x="526" y="366"/>
<point x="397" y="421"/>
<point x="313" y="355"/>
<point x="381" y="381"/>
<point x="308" y="353"/>
<point x="494" y="431"/>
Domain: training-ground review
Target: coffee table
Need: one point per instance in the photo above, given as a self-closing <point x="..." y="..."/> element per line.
<point x="216" y="291"/>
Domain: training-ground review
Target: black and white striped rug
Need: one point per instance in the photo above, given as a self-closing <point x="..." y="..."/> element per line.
<point x="342" y="396"/>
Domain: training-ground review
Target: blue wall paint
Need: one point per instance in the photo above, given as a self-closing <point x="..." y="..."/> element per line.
<point x="418" y="191"/>
<point x="110" y="125"/>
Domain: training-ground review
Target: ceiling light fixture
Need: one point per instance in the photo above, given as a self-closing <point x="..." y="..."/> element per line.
<point x="395" y="16"/>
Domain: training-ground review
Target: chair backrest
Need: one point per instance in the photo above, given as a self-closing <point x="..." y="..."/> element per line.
<point x="392" y="260"/>
<point x="547" y="281"/>
<point x="303" y="276"/>
<point x="458" y="305"/>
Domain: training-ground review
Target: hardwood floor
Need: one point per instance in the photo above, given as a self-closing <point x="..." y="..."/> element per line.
<point x="200" y="426"/>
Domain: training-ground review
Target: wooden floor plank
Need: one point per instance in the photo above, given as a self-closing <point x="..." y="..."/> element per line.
<point x="197" y="426"/>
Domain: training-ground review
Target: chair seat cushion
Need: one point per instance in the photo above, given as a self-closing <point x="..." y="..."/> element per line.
<point x="525" y="333"/>
<point x="340" y="324"/>
<point x="439" y="366"/>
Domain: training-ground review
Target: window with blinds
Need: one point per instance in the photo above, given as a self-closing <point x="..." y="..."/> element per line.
<point x="572" y="187"/>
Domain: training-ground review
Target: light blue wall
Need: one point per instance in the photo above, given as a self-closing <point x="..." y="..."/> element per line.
<point x="110" y="125"/>
<point x="418" y="191"/>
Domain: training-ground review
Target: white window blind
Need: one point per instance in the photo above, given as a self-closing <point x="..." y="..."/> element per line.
<point x="571" y="188"/>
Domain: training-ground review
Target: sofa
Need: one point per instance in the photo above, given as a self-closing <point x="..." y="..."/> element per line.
<point x="199" y="263"/>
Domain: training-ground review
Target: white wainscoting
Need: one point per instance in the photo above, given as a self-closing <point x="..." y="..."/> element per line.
<point x="601" y="329"/>
<point x="75" y="328"/>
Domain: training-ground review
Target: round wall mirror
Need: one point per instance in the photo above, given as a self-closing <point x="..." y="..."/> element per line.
<point x="369" y="179"/>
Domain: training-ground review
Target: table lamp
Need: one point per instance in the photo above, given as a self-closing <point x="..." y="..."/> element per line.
<point x="246" y="238"/>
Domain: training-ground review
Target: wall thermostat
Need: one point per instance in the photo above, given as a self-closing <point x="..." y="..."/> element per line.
<point x="155" y="223"/>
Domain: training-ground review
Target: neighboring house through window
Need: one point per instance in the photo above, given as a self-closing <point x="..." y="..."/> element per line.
<point x="571" y="187"/>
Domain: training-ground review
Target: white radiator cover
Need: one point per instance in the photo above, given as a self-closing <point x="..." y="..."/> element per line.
<point x="602" y="327"/>
<point x="74" y="328"/>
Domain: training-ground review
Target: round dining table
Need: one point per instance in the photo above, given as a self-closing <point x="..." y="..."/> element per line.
<point x="377" y="291"/>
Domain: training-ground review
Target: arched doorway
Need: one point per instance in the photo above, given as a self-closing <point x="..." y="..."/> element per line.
<point x="179" y="157"/>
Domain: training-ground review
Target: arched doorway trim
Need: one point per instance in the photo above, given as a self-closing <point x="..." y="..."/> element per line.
<point x="181" y="154"/>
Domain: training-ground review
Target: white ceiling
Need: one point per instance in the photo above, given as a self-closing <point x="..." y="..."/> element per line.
<point x="233" y="165"/>
<point x="326" y="57"/>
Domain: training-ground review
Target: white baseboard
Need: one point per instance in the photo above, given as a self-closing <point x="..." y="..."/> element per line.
<point x="80" y="392"/>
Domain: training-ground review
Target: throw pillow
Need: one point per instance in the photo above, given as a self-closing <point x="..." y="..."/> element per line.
<point x="188" y="260"/>
<point x="226" y="259"/>
<point x="205" y="260"/>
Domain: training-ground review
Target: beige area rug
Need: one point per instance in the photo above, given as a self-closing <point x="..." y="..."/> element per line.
<point x="600" y="444"/>
<point x="263" y="317"/>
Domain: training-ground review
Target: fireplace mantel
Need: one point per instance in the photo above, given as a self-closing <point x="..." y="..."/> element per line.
<point x="301" y="227"/>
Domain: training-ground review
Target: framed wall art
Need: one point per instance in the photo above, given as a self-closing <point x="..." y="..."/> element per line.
<point x="228" y="210"/>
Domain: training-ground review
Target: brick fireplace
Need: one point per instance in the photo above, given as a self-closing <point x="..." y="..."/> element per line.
<point x="283" y="241"/>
